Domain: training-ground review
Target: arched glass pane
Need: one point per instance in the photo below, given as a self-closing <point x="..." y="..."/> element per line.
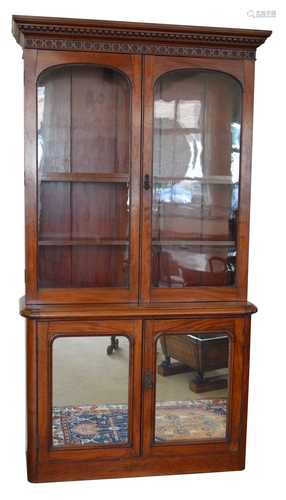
<point x="84" y="169"/>
<point x="196" y="157"/>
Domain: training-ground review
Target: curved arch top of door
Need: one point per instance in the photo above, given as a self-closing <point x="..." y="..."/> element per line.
<point x="157" y="66"/>
<point x="125" y="63"/>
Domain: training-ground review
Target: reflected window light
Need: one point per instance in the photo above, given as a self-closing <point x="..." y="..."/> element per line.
<point x="196" y="149"/>
<point x="40" y="103"/>
<point x="164" y="109"/>
<point x="235" y="154"/>
<point x="40" y="114"/>
<point x="187" y="259"/>
<point x="235" y="135"/>
<point x="189" y="113"/>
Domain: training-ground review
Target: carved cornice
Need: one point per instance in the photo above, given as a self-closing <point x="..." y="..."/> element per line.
<point x="136" y="38"/>
<point x="138" y="48"/>
<point x="129" y="34"/>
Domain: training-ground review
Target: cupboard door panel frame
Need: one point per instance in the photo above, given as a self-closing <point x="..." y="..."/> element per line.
<point x="36" y="61"/>
<point x="243" y="71"/>
<point x="47" y="332"/>
<point x="238" y="329"/>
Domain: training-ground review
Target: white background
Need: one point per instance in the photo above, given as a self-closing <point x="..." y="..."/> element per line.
<point x="265" y="464"/>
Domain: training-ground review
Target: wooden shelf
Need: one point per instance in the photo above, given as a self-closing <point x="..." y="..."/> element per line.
<point x="124" y="178"/>
<point x="83" y="177"/>
<point x="178" y="130"/>
<point x="211" y="179"/>
<point x="83" y="242"/>
<point x="175" y="243"/>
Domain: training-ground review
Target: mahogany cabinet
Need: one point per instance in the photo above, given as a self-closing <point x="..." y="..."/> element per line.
<point x="137" y="198"/>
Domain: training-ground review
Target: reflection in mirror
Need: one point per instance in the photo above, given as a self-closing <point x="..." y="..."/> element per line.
<point x="192" y="387"/>
<point x="90" y="391"/>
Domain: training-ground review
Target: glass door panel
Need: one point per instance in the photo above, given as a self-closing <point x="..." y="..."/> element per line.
<point x="192" y="379"/>
<point x="90" y="391"/>
<point x="84" y="177"/>
<point x="196" y="159"/>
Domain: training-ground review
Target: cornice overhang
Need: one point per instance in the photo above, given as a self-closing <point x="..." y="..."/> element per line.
<point x="46" y="33"/>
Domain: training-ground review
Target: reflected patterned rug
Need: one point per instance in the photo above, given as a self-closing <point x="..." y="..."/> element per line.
<point x="191" y="420"/>
<point x="90" y="424"/>
<point x="108" y="424"/>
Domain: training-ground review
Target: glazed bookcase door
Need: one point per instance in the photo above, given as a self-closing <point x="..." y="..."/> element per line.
<point x="195" y="386"/>
<point x="195" y="215"/>
<point x="86" y="235"/>
<point x="89" y="398"/>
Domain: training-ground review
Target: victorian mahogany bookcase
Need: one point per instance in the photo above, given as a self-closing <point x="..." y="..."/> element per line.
<point x="137" y="180"/>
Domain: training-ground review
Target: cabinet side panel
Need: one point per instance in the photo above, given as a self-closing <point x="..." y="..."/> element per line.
<point x="30" y="60"/>
<point x="31" y="394"/>
<point x="245" y="386"/>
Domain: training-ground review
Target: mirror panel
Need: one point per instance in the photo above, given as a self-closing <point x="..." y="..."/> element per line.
<point x="90" y="387"/>
<point x="192" y="387"/>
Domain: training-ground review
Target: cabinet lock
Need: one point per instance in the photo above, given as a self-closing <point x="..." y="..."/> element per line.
<point x="148" y="380"/>
<point x="147" y="182"/>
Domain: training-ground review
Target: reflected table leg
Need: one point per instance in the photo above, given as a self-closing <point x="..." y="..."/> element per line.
<point x="114" y="345"/>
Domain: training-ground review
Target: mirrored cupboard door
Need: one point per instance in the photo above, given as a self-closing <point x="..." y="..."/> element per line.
<point x="192" y="179"/>
<point x="191" y="370"/>
<point x="88" y="149"/>
<point x="92" y="398"/>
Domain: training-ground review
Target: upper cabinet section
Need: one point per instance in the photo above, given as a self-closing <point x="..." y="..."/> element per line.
<point x="137" y="160"/>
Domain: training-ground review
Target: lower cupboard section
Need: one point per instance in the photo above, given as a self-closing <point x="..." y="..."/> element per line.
<point x="135" y="397"/>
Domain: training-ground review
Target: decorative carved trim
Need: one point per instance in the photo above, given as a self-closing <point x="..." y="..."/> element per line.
<point x="207" y="38"/>
<point x="50" y="33"/>
<point x="137" y="48"/>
